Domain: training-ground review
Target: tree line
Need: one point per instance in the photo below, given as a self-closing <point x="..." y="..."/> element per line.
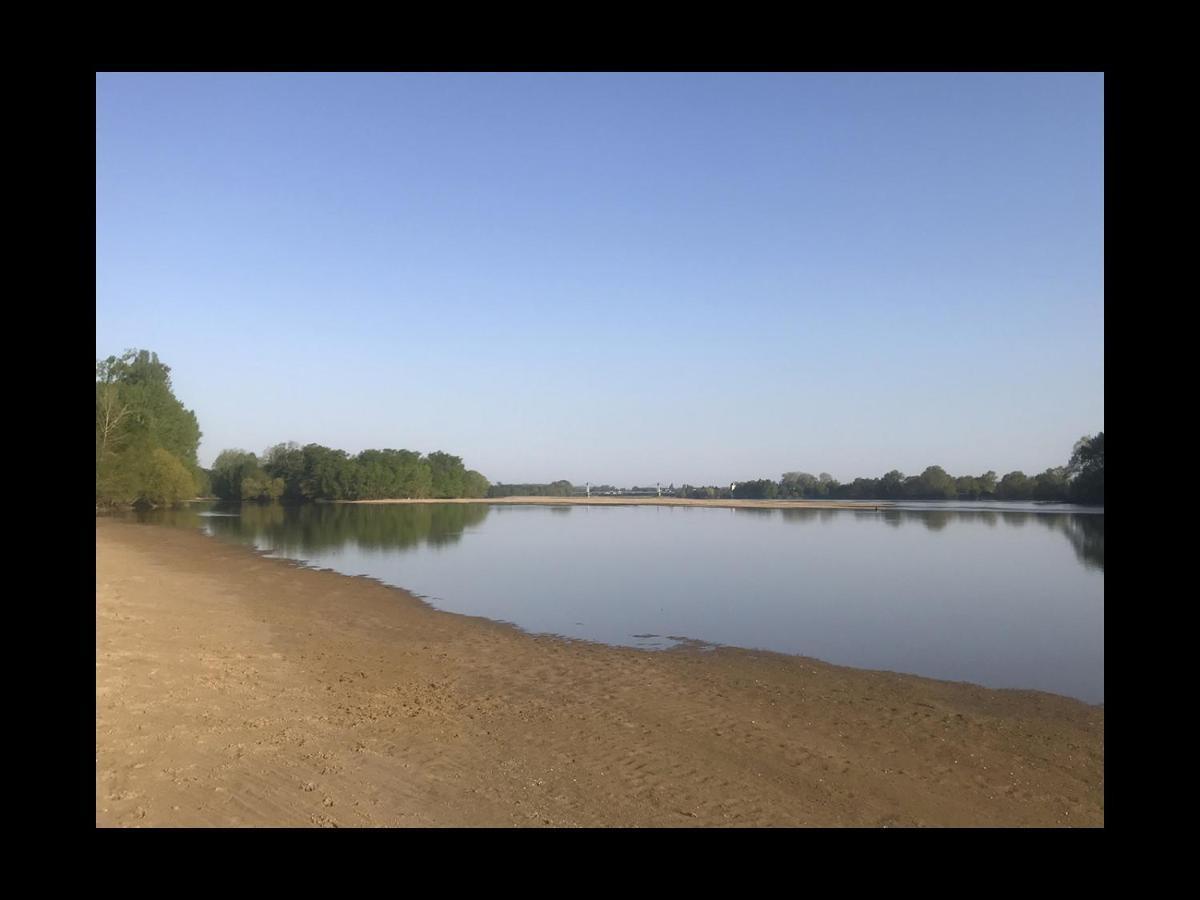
<point x="1081" y="480"/>
<point x="293" y="474"/>
<point x="147" y="443"/>
<point x="553" y="489"/>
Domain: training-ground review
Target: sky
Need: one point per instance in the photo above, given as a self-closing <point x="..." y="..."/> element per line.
<point x="615" y="278"/>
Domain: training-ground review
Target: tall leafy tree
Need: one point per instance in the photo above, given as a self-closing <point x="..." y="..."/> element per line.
<point x="286" y="462"/>
<point x="987" y="483"/>
<point x="230" y="471"/>
<point x="891" y="485"/>
<point x="1015" y="486"/>
<point x="327" y="474"/>
<point x="448" y="473"/>
<point x="1051" y="484"/>
<point x="138" y="415"/>
<point x="936" y="484"/>
<point x="1086" y="470"/>
<point x="475" y="484"/>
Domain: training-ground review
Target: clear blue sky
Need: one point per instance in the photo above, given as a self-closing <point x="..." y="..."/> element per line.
<point x="621" y="278"/>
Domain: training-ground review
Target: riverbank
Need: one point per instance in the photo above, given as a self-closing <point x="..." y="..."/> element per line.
<point x="233" y="689"/>
<point x="654" y="501"/>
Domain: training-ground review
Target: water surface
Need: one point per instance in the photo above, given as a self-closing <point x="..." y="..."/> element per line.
<point x="987" y="593"/>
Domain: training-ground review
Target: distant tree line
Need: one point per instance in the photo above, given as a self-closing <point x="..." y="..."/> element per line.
<point x="146" y="440"/>
<point x="553" y="489"/>
<point x="1080" y="481"/>
<point x="294" y="474"/>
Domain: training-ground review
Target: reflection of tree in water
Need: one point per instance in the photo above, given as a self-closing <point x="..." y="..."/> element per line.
<point x="1085" y="532"/>
<point x="934" y="519"/>
<point x="760" y="512"/>
<point x="795" y="516"/>
<point x="978" y="515"/>
<point x="323" y="526"/>
<point x="263" y="516"/>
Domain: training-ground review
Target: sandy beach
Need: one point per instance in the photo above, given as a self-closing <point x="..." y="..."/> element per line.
<point x="237" y="690"/>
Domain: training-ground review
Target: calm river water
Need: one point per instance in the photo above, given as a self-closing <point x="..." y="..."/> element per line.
<point x="988" y="593"/>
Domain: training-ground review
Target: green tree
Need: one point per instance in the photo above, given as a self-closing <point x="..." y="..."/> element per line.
<point x="967" y="488"/>
<point x="137" y="413"/>
<point x="1051" y="485"/>
<point x="261" y="487"/>
<point x="1086" y="470"/>
<point x="1015" y="486"/>
<point x="936" y="484"/>
<point x="416" y="476"/>
<point x="328" y="474"/>
<point x="203" y="482"/>
<point x="759" y="489"/>
<point x="447" y="473"/>
<point x="113" y="417"/>
<point x="230" y="470"/>
<point x="891" y="485"/>
<point x="145" y="387"/>
<point x="475" y="484"/>
<point x="864" y="489"/>
<point x="798" y="484"/>
<point x="987" y="483"/>
<point x="285" y="461"/>
<point x="167" y="481"/>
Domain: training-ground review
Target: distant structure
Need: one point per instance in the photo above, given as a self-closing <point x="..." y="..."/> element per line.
<point x="589" y="489"/>
<point x="658" y="486"/>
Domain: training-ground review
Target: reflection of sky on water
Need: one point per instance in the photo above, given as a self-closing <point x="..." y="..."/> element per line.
<point x="993" y="596"/>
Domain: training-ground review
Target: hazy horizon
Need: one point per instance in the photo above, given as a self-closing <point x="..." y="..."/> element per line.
<point x="620" y="278"/>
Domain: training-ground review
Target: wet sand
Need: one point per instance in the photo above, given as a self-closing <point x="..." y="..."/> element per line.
<point x="236" y="690"/>
<point x="655" y="501"/>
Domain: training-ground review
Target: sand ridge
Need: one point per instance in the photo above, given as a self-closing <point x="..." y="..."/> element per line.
<point x="237" y="690"/>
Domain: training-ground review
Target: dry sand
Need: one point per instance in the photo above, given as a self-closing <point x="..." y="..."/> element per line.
<point x="232" y="689"/>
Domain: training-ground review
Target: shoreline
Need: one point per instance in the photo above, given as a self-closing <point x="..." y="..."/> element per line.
<point x="650" y="501"/>
<point x="238" y="689"/>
